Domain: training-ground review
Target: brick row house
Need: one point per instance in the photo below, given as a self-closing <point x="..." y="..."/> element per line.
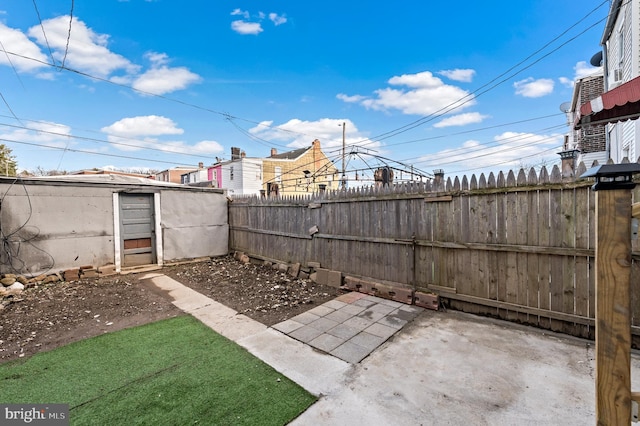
<point x="301" y="171"/>
<point x="613" y="113"/>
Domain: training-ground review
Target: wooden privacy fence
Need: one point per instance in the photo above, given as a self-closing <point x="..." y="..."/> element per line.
<point x="518" y="247"/>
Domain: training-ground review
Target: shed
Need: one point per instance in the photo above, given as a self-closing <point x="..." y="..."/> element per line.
<point x="56" y="223"/>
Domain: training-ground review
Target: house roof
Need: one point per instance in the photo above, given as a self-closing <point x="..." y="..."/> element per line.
<point x="619" y="104"/>
<point x="290" y="155"/>
<point x="99" y="178"/>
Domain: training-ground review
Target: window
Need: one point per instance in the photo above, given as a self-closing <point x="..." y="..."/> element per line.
<point x="231" y="173"/>
<point x="278" y="173"/>
<point x="621" y="47"/>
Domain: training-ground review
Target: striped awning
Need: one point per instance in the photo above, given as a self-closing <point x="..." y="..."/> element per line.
<point x="619" y="104"/>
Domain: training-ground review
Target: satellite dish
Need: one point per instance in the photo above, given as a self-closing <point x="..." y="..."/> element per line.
<point x="565" y="107"/>
<point x="596" y="60"/>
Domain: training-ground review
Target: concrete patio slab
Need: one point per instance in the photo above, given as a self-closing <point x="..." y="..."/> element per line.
<point x="451" y="368"/>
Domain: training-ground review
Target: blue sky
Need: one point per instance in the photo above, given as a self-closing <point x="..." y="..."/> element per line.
<point x="465" y="87"/>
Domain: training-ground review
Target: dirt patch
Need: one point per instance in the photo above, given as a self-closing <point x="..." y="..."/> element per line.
<point x="52" y="315"/>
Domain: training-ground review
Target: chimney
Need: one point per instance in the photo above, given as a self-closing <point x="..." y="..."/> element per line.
<point x="274" y="151"/>
<point x="243" y="154"/>
<point x="235" y="153"/>
<point x="201" y="165"/>
<point x="568" y="158"/>
<point x="438" y="177"/>
<point x="316" y="144"/>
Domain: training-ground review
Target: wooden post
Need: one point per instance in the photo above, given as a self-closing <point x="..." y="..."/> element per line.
<point x="613" y="322"/>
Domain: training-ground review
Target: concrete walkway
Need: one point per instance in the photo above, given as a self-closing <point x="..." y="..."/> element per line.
<point x="443" y="368"/>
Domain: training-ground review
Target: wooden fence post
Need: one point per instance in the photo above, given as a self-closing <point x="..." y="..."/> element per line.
<point x="613" y="320"/>
<point x="613" y="276"/>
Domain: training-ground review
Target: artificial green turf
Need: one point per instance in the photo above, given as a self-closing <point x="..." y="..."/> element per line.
<point x="171" y="372"/>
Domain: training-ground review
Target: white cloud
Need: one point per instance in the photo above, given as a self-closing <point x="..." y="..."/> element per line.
<point x="298" y="133"/>
<point x="243" y="27"/>
<point x="532" y="88"/>
<point x="350" y="99"/>
<point x="47" y="133"/>
<point x="566" y="82"/>
<point x="161" y="79"/>
<point x="277" y="19"/>
<point x="246" y="27"/>
<point x="428" y="95"/>
<point x="15" y="41"/>
<point x="461" y="119"/>
<point x="463" y="75"/>
<point x="583" y="69"/>
<point x="207" y="147"/>
<point x="147" y="125"/>
<point x="87" y="52"/>
<point x="136" y="133"/>
<point x="508" y="150"/>
<point x="240" y="12"/>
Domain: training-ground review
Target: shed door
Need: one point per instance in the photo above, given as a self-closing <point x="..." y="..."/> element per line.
<point x="137" y="229"/>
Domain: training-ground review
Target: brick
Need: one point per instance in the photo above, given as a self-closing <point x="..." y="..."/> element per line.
<point x="367" y="287"/>
<point x="90" y="273"/>
<point x="334" y="279"/>
<point x="351" y="283"/>
<point x="107" y="270"/>
<point x="427" y="300"/>
<point x="322" y="276"/>
<point x="294" y="270"/>
<point x="402" y="295"/>
<point x="377" y="289"/>
<point x="72" y="274"/>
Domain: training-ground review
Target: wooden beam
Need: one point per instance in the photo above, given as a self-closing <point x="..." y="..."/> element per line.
<point x="613" y="319"/>
<point x="635" y="210"/>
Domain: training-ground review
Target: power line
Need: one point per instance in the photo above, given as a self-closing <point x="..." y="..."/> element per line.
<point x="93" y="152"/>
<point x="478" y="92"/>
<point x="53" y="61"/>
<point x="65" y="135"/>
<point x="66" y="49"/>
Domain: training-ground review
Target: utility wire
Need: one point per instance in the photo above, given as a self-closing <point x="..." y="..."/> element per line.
<point x="489" y="86"/>
<point x="65" y="135"/>
<point x="66" y="49"/>
<point x="92" y="152"/>
<point x="53" y="61"/>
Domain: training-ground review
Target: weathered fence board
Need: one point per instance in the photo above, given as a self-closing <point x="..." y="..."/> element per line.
<point x="515" y="247"/>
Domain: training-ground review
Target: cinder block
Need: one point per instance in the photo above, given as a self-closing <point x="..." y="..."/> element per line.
<point x="314" y="277"/>
<point x="427" y="300"/>
<point x="314" y="265"/>
<point x="322" y="276"/>
<point x="334" y="279"/>
<point x="351" y="283"/>
<point x="283" y="267"/>
<point x="303" y="275"/>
